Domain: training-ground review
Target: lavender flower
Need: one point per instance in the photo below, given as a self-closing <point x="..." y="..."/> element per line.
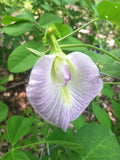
<point x="61" y="87"/>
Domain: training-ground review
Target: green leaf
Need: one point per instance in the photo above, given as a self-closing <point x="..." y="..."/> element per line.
<point x="57" y="2"/>
<point x="100" y="143"/>
<point x="110" y="65"/>
<point x="79" y="122"/>
<point x="47" y="19"/>
<point x="66" y="136"/>
<point x="89" y="4"/>
<point x="43" y="130"/>
<point x="46" y="7"/>
<point x="25" y="16"/>
<point x="2" y="88"/>
<point x="15" y="155"/>
<point x="72" y="40"/>
<point x="65" y="139"/>
<point x="21" y="59"/>
<point x="9" y="19"/>
<point x="63" y="29"/>
<point x="4" y="80"/>
<point x="5" y="136"/>
<point x="119" y="95"/>
<point x="116" y="108"/>
<point x="3" y="111"/>
<point x="37" y="53"/>
<point x="69" y="2"/>
<point x="17" y="127"/>
<point x="18" y="28"/>
<point x="101" y="116"/>
<point x="107" y="91"/>
<point x="31" y="156"/>
<point x="117" y="42"/>
<point x="57" y="153"/>
<point x="32" y="139"/>
<point x="73" y="155"/>
<point x="109" y="10"/>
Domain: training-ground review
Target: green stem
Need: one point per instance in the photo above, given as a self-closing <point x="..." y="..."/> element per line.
<point x="91" y="46"/>
<point x="34" y="144"/>
<point x="42" y="124"/>
<point x="70" y="34"/>
<point x="99" y="102"/>
<point x="54" y="44"/>
<point x="112" y="83"/>
<point x="29" y="145"/>
<point x="110" y="75"/>
<point x="59" y="142"/>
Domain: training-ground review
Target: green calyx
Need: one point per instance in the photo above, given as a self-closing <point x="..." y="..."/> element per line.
<point x="51" y="32"/>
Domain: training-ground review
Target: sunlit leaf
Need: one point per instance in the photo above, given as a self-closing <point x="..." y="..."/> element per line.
<point x="63" y="29"/>
<point x="18" y="28"/>
<point x="109" y="10"/>
<point x="21" y="59"/>
<point x="47" y="19"/>
<point x="25" y="16"/>
<point x="9" y="19"/>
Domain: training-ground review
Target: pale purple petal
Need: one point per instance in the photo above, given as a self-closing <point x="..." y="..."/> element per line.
<point x="85" y="83"/>
<point x="45" y="96"/>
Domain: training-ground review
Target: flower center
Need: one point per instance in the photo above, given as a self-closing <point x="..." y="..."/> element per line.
<point x="60" y="71"/>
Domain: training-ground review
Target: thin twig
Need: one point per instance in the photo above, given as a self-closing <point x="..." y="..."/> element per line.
<point x="17" y="84"/>
<point x="78" y="29"/>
